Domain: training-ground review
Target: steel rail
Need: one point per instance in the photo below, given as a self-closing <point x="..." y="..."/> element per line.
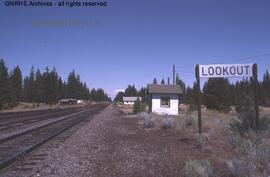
<point x="82" y="116"/>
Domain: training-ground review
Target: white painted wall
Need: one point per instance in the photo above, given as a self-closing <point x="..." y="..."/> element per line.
<point x="129" y="102"/>
<point x="172" y="110"/>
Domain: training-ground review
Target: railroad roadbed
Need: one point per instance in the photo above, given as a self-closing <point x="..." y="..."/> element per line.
<point x="15" y="159"/>
<point x="116" y="144"/>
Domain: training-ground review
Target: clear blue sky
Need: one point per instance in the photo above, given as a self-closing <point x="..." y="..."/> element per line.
<point x="131" y="42"/>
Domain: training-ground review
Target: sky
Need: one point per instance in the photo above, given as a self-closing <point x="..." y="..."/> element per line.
<point x="131" y="42"/>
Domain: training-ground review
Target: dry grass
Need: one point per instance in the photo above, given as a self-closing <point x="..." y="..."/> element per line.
<point x="229" y="153"/>
<point x="248" y="155"/>
<point x="252" y="151"/>
<point x="198" y="168"/>
<point x="127" y="109"/>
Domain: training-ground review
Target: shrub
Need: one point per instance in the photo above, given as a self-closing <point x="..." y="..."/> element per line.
<point x="254" y="160"/>
<point x="167" y="123"/>
<point x="232" y="140"/>
<point x="245" y="124"/>
<point x="198" y="168"/>
<point x="246" y="118"/>
<point x="191" y="120"/>
<point x="264" y="123"/>
<point x="149" y="121"/>
<point x="200" y="140"/>
<point x="138" y="106"/>
<point x="242" y="167"/>
<point x="256" y="151"/>
<point x="142" y="114"/>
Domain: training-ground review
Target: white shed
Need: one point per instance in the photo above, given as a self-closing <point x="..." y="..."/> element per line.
<point x="163" y="99"/>
<point x="130" y="100"/>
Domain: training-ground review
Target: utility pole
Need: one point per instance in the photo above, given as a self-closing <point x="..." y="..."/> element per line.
<point x="173" y="74"/>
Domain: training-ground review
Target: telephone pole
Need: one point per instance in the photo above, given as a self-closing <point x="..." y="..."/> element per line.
<point x="173" y="74"/>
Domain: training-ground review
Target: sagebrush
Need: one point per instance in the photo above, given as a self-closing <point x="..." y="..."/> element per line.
<point x="198" y="168"/>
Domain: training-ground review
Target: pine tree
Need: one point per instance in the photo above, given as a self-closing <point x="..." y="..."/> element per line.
<point x="64" y="90"/>
<point x="16" y="84"/>
<point x="179" y="82"/>
<point x="93" y="94"/>
<point x="60" y="88"/>
<point x="266" y="88"/>
<point x="242" y="89"/>
<point x="45" y="85"/>
<point x="4" y="84"/>
<point x="99" y="95"/>
<point x="119" y="97"/>
<point x="38" y="89"/>
<point x="85" y="92"/>
<point x="162" y="81"/>
<point x="53" y="86"/>
<point x="142" y="94"/>
<point x="131" y="91"/>
<point x="216" y="94"/>
<point x="191" y="95"/>
<point x="73" y="82"/>
<point x="29" y="86"/>
<point x="155" y="81"/>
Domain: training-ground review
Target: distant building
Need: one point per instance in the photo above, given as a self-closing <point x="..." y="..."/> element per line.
<point x="68" y="101"/>
<point x="130" y="100"/>
<point x="164" y="99"/>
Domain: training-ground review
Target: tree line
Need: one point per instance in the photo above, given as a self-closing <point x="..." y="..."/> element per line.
<point x="217" y="93"/>
<point x="131" y="91"/>
<point x="47" y="87"/>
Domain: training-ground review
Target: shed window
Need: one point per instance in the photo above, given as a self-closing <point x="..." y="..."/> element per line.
<point x="165" y="101"/>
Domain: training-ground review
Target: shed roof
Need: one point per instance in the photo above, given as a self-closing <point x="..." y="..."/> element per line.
<point x="163" y="88"/>
<point x="130" y="98"/>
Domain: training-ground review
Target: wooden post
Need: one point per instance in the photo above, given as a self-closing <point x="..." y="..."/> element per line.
<point x="173" y="74"/>
<point x="198" y="99"/>
<point x="255" y="83"/>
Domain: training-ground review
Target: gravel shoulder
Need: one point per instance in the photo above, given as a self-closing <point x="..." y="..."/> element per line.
<point x="117" y="144"/>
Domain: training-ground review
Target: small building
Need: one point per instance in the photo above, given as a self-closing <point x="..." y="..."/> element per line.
<point x="130" y="100"/>
<point x="68" y="101"/>
<point x="164" y="99"/>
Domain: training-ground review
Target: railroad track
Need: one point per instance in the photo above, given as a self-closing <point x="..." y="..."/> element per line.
<point x="8" y="115"/>
<point x="20" y="144"/>
<point x="16" y="121"/>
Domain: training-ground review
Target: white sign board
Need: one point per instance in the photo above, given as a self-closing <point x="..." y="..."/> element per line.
<point x="226" y="70"/>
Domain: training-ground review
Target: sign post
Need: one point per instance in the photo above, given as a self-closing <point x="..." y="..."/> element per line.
<point x="255" y="83"/>
<point x="226" y="70"/>
<point x="197" y="73"/>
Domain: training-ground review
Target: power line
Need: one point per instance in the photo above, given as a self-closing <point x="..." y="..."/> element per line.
<point x="183" y="69"/>
<point x="242" y="59"/>
<point x="245" y="58"/>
